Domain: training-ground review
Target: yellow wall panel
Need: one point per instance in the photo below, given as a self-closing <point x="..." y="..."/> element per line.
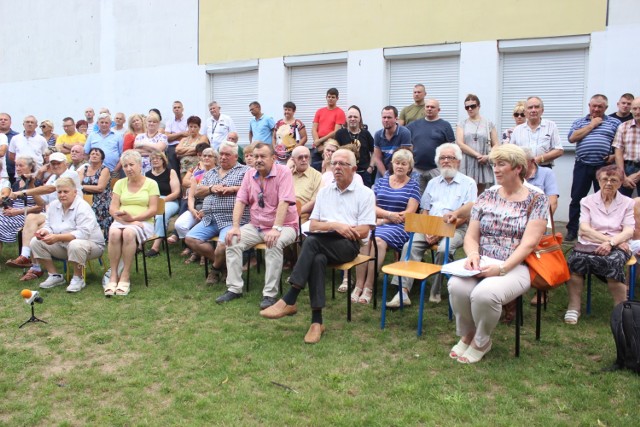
<point x="248" y="29"/>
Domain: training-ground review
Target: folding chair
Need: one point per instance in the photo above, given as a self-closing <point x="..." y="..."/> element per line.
<point x="417" y="270"/>
<point x="159" y="211"/>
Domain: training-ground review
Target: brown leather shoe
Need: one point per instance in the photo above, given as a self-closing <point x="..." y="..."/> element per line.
<point x="20" y="262"/>
<point x="314" y="334"/>
<point x="279" y="310"/>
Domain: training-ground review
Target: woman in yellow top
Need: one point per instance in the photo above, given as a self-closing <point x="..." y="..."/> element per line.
<point x="134" y="204"/>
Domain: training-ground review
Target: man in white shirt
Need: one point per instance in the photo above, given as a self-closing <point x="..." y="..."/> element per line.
<point x="29" y="143"/>
<point x="175" y="129"/>
<point x="218" y="126"/>
<point x="541" y="135"/>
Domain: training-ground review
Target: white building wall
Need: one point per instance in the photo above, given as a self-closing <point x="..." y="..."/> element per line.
<point x="368" y="84"/>
<point x="479" y="64"/>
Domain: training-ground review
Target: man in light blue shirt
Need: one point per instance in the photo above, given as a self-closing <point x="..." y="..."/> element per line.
<point x="108" y="141"/>
<point x="451" y="193"/>
<point x="261" y="126"/>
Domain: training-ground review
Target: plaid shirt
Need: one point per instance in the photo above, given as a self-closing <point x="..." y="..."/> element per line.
<point x="628" y="139"/>
<point x="219" y="208"/>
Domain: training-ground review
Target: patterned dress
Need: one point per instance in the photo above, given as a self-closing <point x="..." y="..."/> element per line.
<point x="157" y="139"/>
<point x="477" y="136"/>
<point x="9" y="225"/>
<point x="394" y="200"/>
<point x="101" y="201"/>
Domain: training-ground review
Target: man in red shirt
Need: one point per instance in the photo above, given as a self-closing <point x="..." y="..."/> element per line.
<point x="325" y="124"/>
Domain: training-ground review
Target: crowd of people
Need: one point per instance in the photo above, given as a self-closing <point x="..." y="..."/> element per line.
<point x="499" y="193"/>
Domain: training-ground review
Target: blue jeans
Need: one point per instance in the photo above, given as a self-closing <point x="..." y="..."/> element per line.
<point x="170" y="209"/>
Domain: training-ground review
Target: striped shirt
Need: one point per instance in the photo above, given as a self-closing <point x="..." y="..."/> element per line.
<point x="596" y="145"/>
<point x="628" y="139"/>
<point x="544" y="139"/>
<point x="442" y="197"/>
<point x="219" y="207"/>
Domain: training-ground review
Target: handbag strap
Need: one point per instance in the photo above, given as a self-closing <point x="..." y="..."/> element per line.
<point x="553" y="224"/>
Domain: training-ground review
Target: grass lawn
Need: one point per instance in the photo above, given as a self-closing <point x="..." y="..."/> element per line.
<point x="169" y="355"/>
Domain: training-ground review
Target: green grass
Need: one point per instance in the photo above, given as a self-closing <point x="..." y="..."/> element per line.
<point x="168" y="355"/>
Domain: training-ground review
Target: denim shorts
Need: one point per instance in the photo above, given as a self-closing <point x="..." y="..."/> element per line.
<point x="208" y="232"/>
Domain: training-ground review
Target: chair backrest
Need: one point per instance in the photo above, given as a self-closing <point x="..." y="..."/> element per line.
<point x="88" y="198"/>
<point x="160" y="209"/>
<point x="113" y="182"/>
<point x="428" y="224"/>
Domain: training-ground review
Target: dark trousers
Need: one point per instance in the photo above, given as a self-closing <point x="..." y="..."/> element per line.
<point x="583" y="176"/>
<point x="316" y="160"/>
<point x="366" y="177"/>
<point x="629" y="168"/>
<point x="174" y="163"/>
<point x="317" y="252"/>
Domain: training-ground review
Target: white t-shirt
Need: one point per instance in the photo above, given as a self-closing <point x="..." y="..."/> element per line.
<point x="3" y="160"/>
<point x="48" y="198"/>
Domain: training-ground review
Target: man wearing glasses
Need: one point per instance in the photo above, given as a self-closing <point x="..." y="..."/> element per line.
<point x="538" y="134"/>
<point x="69" y="138"/>
<point x="341" y="220"/>
<point x="450" y="195"/>
<point x="29" y="143"/>
<point x="267" y="191"/>
<point x="306" y="180"/>
<point x="427" y="135"/>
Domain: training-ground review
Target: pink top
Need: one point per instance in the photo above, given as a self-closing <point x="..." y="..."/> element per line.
<point x="609" y="221"/>
<point x="277" y="187"/>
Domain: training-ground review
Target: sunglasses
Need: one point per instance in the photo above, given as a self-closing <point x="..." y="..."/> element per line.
<point x="470" y="106"/>
<point x="518" y="114"/>
<point x="261" y="200"/>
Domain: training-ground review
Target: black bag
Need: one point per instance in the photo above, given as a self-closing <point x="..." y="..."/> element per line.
<point x="625" y="325"/>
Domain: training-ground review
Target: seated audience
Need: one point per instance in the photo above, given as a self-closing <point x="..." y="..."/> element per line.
<point x="449" y="195"/>
<point x="306" y="180"/>
<point x="396" y="195"/>
<point x="344" y="216"/>
<point x="506" y="224"/>
<point x="134" y="204"/>
<point x="70" y="232"/>
<point x="169" y="185"/>
<point x="77" y="157"/>
<point x="606" y="225"/>
<point x="96" y="180"/>
<point x="218" y="191"/>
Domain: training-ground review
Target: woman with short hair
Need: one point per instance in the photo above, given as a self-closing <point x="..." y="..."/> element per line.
<point x="96" y="180"/>
<point x="150" y="141"/>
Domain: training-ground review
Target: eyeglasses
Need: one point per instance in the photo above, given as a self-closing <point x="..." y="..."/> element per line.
<point x="470" y="106"/>
<point x="341" y="164"/>
<point x="447" y="158"/>
<point x="610" y="180"/>
<point x="261" y="199"/>
<point x="518" y="114"/>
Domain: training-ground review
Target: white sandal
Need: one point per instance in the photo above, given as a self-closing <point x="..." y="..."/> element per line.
<point x="344" y="286"/>
<point x="571" y="317"/>
<point x="365" y="298"/>
<point x="355" y="295"/>
<point x="458" y="350"/>
<point x="473" y="355"/>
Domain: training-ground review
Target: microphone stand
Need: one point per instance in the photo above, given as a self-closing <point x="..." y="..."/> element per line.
<point x="32" y="319"/>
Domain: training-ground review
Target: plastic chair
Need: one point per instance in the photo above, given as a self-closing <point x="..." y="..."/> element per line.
<point x="417" y="270"/>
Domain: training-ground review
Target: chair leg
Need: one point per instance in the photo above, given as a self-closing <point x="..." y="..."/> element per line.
<point x="632" y="282"/>
<point x="538" y="313"/>
<point x="166" y="249"/>
<point x="383" y="314"/>
<point x="518" y="322"/>
<point x="588" y="294"/>
<point x="333" y="284"/>
<point x="375" y="283"/>
<point x="423" y="285"/>
<point x="249" y="269"/>
<point x="144" y="267"/>
<point x="349" y="295"/>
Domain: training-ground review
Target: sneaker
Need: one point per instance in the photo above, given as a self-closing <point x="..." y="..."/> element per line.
<point x="76" y="285"/>
<point x="267" y="302"/>
<point x="20" y="262"/>
<point x="395" y="302"/>
<point x="227" y="296"/>
<point x="52" y="281"/>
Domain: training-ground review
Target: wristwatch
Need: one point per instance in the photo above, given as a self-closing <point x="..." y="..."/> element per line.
<point x="613" y="245"/>
<point x="278" y="228"/>
<point x="502" y="270"/>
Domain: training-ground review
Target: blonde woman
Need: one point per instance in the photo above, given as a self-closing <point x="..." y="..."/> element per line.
<point x="518" y="117"/>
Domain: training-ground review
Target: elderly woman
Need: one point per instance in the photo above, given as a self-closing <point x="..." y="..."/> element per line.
<point x="82" y="126"/>
<point x="396" y="195"/>
<point x="96" y="180"/>
<point x="70" y="232"/>
<point x="476" y="136"/>
<point x="46" y="127"/>
<point x="288" y="133"/>
<point x="606" y="225"/>
<point x="169" y="185"/>
<point x="506" y="224"/>
<point x="13" y="213"/>
<point x="194" y="213"/>
<point x="150" y="141"/>
<point x="518" y="117"/>
<point x="134" y="204"/>
<point x="186" y="149"/>
<point x="136" y="127"/>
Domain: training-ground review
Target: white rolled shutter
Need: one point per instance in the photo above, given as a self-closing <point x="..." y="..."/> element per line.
<point x="234" y="92"/>
<point x="557" y="77"/>
<point x="440" y="75"/>
<point x="308" y="87"/>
